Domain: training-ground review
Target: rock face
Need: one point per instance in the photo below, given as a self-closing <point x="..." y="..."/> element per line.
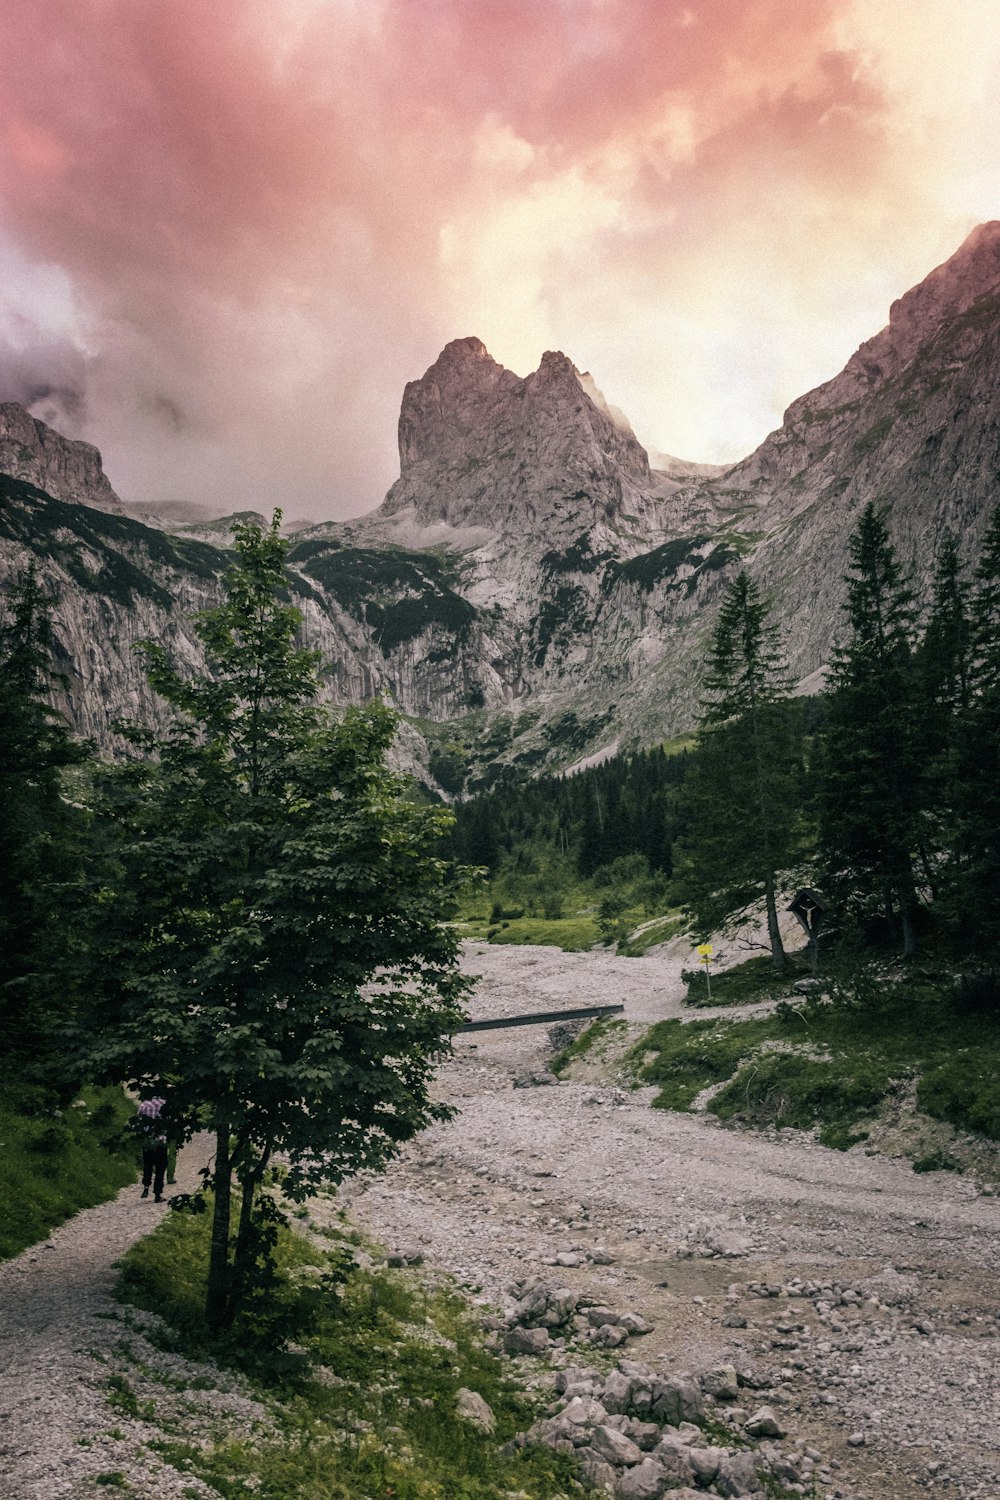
<point x="478" y="446"/>
<point x="68" y="470"/>
<point x="530" y="580"/>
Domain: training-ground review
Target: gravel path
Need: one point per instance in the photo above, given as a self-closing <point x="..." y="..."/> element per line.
<point x="59" y="1329"/>
<point x="525" y="1174"/>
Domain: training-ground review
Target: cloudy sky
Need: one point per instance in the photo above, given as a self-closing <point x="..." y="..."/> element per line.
<point x="230" y="230"/>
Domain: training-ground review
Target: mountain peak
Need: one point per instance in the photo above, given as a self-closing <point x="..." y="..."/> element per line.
<point x="64" y="468"/>
<point x="945" y="293"/>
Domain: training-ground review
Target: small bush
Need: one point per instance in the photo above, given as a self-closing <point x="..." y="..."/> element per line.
<point x="936" y="1161"/>
<point x="977" y="994"/>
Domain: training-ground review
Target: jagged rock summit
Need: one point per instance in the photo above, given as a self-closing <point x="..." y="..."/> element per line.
<point x="480" y="446"/>
<point x="62" y="467"/>
<point x="533" y="590"/>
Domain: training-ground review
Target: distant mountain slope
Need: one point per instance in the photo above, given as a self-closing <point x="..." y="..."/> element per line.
<point x="531" y="589"/>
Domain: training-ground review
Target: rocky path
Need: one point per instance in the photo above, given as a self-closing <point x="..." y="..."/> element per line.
<point x="864" y="1296"/>
<point x="59" y="1327"/>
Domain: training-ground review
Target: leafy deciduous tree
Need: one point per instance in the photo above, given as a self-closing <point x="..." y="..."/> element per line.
<point x="267" y="938"/>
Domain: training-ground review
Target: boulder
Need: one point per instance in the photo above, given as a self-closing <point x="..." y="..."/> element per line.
<point x="471" y="1408"/>
<point x="614" y="1447"/>
<point x="526" y="1341"/>
<point x="576" y="1375"/>
<point x="608" y="1336"/>
<point x="544" y="1306"/>
<point x="677" y="1399"/>
<point x="721" y="1383"/>
<point x="634" y="1324"/>
<point x="647" y="1481"/>
<point x="763" y="1424"/>
<point x="597" y="1473"/>
<point x="616" y="1391"/>
<point x="728" y="1243"/>
<point x="737" y="1475"/>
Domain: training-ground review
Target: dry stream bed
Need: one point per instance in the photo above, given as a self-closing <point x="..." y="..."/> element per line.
<point x="859" y="1299"/>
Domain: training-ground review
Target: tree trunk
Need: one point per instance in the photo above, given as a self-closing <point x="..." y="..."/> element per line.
<point x="217" y="1294"/>
<point x="906" y="909"/>
<point x="773" y="930"/>
<point x="243" y="1254"/>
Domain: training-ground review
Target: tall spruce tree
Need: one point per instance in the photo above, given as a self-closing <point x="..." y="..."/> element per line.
<point x="975" y="891"/>
<point x="40" y="829"/>
<point x="870" y="823"/>
<point x="944" y="664"/>
<point x="265" y="929"/>
<point x="742" y="794"/>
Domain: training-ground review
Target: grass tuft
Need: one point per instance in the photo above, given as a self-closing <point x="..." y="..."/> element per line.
<point x="369" y="1405"/>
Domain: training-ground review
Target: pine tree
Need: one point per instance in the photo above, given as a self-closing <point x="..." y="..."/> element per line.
<point x="975" y="890"/>
<point x="742" y="793"/>
<point x="872" y="794"/>
<point x="944" y="663"/>
<point x="265" y="931"/>
<point x="40" y="829"/>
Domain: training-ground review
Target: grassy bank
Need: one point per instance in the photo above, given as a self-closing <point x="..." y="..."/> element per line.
<point x="54" y="1162"/>
<point x="835" y="1064"/>
<point x="354" y="1370"/>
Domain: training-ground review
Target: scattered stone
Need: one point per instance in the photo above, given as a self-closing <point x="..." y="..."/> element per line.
<point x="601" y="1257"/>
<point x="856" y="1440"/>
<point x="534" y="1080"/>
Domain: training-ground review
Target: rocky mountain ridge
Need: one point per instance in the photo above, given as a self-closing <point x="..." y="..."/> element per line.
<point x="532" y="589"/>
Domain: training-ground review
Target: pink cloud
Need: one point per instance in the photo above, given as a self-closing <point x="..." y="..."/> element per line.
<point x="252" y="205"/>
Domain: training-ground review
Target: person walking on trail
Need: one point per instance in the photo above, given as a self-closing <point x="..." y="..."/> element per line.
<point x="151" y="1128"/>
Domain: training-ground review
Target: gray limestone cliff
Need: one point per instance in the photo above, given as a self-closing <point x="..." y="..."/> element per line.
<point x="530" y="577"/>
<point x="62" y="467"/>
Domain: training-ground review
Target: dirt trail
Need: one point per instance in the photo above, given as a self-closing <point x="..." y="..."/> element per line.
<point x="59" y="1326"/>
<point x="523" y="1174"/>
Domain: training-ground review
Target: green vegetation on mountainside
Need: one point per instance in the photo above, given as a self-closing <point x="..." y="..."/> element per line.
<point x="104" y="553"/>
<point x="363" y="1401"/>
<point x="398" y="593"/>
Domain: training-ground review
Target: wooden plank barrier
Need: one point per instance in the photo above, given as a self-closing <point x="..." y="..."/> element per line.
<point x="539" y="1017"/>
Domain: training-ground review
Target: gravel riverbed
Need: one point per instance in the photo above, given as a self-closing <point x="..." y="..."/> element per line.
<point x="869" y="1294"/>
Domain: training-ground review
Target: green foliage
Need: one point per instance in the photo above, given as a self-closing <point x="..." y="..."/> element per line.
<point x="74" y="535"/>
<point x="387" y="1423"/>
<point x="872" y="789"/>
<point x="743" y="797"/>
<point x="571" y="934"/>
<point x="264" y="932"/>
<point x="40" y="831"/>
<point x="650" y="569"/>
<point x="743" y="984"/>
<point x="400" y="594"/>
<point x="831" y="1065"/>
<point x="56" y="1160"/>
